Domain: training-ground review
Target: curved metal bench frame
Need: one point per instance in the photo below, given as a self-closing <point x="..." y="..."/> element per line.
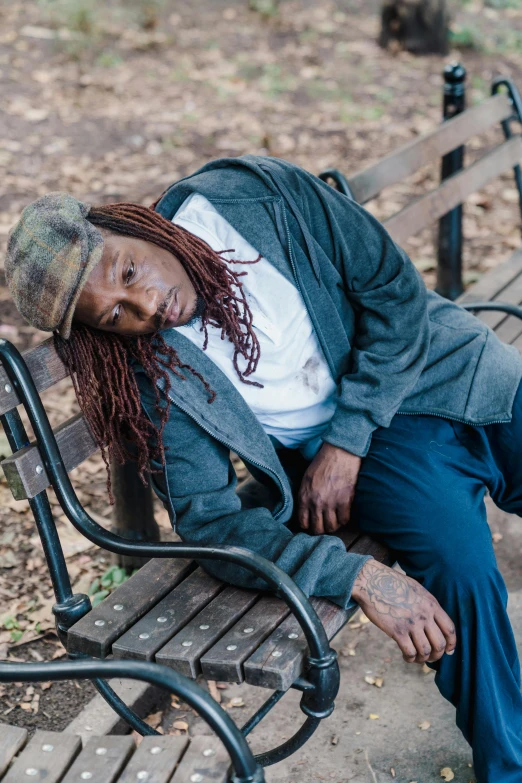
<point x="246" y="769"/>
<point x="321" y="684"/>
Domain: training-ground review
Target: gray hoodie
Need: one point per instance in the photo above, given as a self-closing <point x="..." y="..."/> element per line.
<point x="392" y="346"/>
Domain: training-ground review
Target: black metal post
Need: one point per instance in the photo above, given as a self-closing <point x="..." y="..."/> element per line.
<point x="449" y="268"/>
<point x="133" y="512"/>
<point x="499" y="83"/>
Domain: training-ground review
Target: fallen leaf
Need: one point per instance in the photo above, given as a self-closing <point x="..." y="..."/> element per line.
<point x="497" y="537"/>
<point x="424" y="725"/>
<point x="447" y="773"/>
<point x="369" y="679"/>
<point x="181" y="725"/>
<point x="373" y="716"/>
<point x="214" y="690"/>
<point x="154" y="719"/>
<point x="236" y="701"/>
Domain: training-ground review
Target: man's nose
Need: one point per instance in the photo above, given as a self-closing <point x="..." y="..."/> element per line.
<point x="145" y="303"/>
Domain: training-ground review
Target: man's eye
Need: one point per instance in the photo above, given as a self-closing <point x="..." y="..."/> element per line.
<point x="116" y="317"/>
<point x="130" y="272"/>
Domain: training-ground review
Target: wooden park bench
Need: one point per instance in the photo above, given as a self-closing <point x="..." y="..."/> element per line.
<point x="171" y="611"/>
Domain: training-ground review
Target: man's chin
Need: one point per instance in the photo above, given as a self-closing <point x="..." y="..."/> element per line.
<point x="197" y="311"/>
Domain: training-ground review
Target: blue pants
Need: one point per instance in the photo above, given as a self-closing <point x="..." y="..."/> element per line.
<point x="421" y="492"/>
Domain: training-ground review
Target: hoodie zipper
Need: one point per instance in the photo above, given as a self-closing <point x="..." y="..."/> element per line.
<point x="452" y="418"/>
<point x="241" y="454"/>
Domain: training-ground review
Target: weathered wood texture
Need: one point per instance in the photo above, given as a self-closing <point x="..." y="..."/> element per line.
<point x="95" y="632"/>
<point x="453" y="191"/>
<point x="156" y="755"/>
<point x="51" y="757"/>
<point x="205" y="757"/>
<point x="184" y="651"/>
<point x="224" y="661"/>
<point x="48" y="756"/>
<point x="174" y="611"/>
<point x="104" y="758"/>
<point x="393" y="168"/>
<point x="76" y="444"/>
<point x="12" y="739"/>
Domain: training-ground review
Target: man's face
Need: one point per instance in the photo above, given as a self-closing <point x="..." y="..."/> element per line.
<point x="136" y="288"/>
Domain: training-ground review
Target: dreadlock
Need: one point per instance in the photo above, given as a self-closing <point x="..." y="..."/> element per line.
<point x="99" y="362"/>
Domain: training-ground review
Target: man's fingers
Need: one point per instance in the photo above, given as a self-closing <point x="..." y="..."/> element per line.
<point x="437" y="640"/>
<point x="422" y="645"/>
<point x="447" y="627"/>
<point x="316" y="520"/>
<point x="343" y="514"/>
<point x="303" y="517"/>
<point x="406" y="646"/>
<point x="330" y="522"/>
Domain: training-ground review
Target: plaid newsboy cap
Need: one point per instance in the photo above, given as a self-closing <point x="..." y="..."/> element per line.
<point x="50" y="253"/>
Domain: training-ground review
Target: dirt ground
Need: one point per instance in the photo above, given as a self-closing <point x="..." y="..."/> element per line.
<point x="114" y="101"/>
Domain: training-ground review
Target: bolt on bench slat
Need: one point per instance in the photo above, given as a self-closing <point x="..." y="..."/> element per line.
<point x="224" y="661"/>
<point x="101" y="760"/>
<point x="94" y="633"/>
<point x="168" y="616"/>
<point x="24" y="469"/>
<point x="158" y="756"/>
<point x="184" y="650"/>
<point x="205" y="760"/>
<point x="12" y="739"/>
<point x="46" y="758"/>
<point x="451" y="134"/>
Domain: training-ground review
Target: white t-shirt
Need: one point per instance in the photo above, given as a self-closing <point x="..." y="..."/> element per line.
<point x="298" y="397"/>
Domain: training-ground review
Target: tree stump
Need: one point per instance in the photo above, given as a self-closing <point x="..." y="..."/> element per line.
<point x="418" y="26"/>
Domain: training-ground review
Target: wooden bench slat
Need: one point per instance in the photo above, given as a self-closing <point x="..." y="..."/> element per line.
<point x="175" y="610"/>
<point x="451" y="134"/>
<point x="509" y="329"/>
<point x="279" y="671"/>
<point x="224" y="661"/>
<point x="51" y="764"/>
<point x="156" y="755"/>
<point x="206" y="756"/>
<point x="103" y="757"/>
<point x="453" y="191"/>
<point x="368" y="546"/>
<point x="510" y="294"/>
<point x="493" y="283"/>
<point x="45" y="366"/>
<point x="205" y="629"/>
<point x="76" y="444"/>
<point x="137" y="595"/>
<point x="12" y="739"/>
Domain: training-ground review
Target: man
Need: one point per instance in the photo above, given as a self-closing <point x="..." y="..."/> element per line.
<point x="257" y="310"/>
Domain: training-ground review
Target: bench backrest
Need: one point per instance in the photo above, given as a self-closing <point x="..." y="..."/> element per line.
<point x="23" y="469"/>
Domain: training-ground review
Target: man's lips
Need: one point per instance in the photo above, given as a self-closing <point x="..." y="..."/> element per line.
<point x="172" y="314"/>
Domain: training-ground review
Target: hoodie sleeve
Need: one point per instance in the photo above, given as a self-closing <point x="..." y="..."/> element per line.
<point x="386" y="292"/>
<point x="198" y="487"/>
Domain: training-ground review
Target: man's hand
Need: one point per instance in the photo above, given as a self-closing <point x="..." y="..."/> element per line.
<point x="327" y="490"/>
<point x="404" y="610"/>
